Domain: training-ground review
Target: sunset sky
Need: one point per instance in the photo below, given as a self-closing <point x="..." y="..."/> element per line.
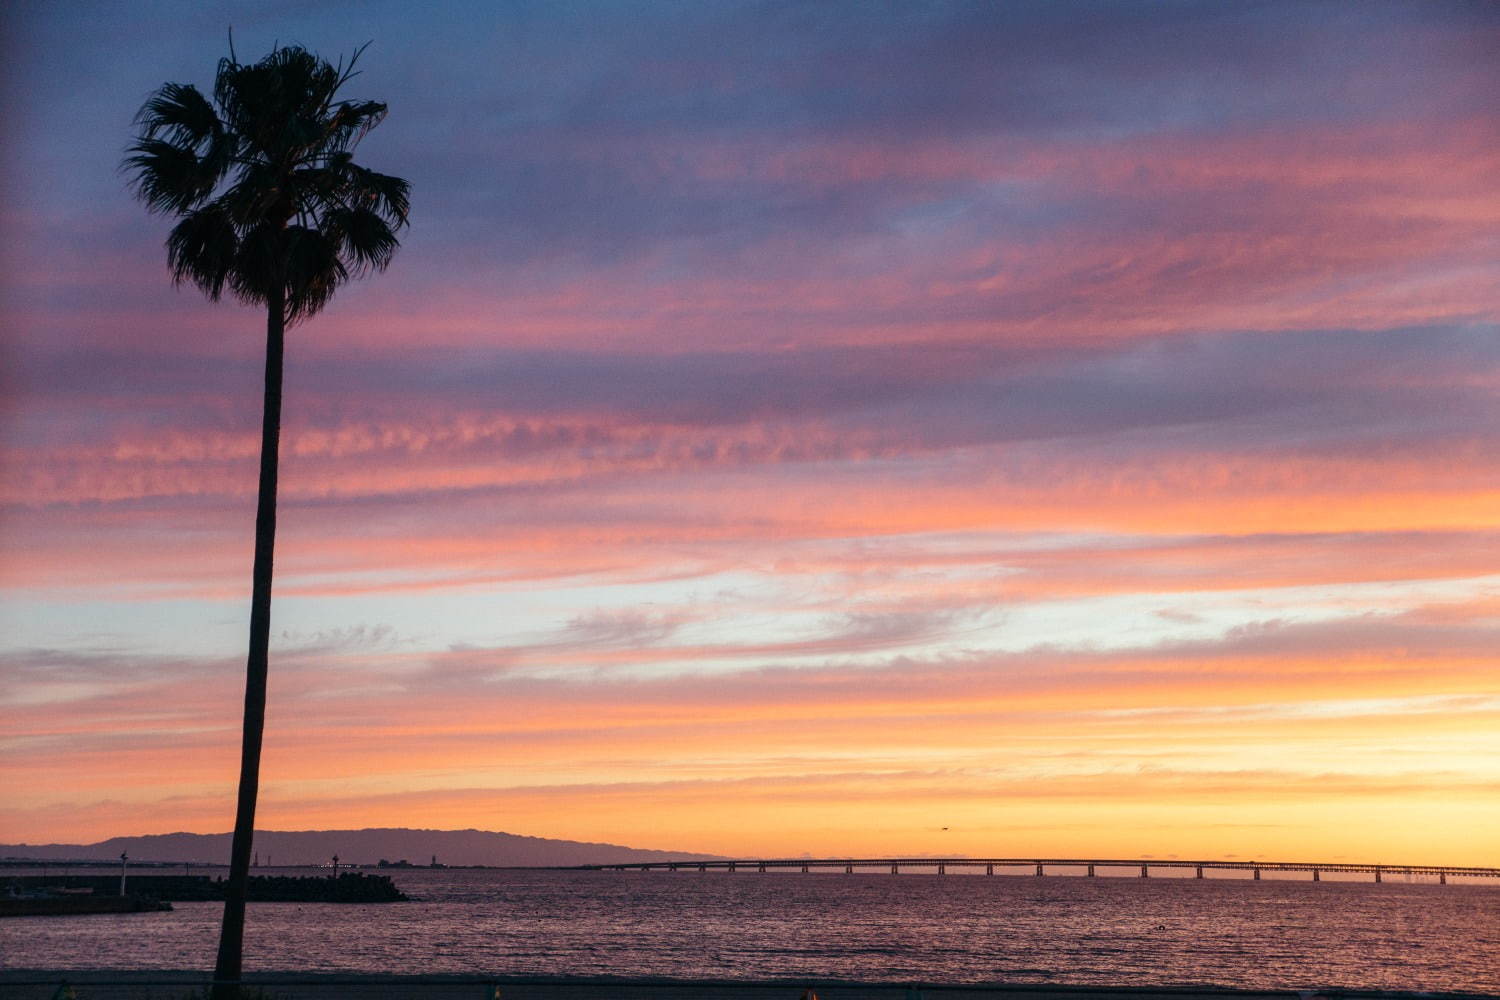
<point x="862" y="428"/>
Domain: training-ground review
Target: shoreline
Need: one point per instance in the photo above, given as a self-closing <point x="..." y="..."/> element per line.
<point x="41" y="984"/>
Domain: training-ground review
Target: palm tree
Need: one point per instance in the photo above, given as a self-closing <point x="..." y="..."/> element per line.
<point x="271" y="206"/>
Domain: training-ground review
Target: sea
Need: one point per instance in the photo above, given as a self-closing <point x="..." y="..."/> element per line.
<point x="907" y="928"/>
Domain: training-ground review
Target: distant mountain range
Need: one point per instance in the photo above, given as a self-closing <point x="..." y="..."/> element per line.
<point x="360" y="847"/>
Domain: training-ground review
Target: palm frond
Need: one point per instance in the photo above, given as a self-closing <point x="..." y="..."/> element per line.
<point x="181" y="113"/>
<point x="257" y="193"/>
<point x="350" y="122"/>
<point x="313" y="271"/>
<point x="226" y="93"/>
<point x="364" y="238"/>
<point x="203" y="248"/>
<point x="169" y="177"/>
<point x="259" y="264"/>
<point x="382" y="193"/>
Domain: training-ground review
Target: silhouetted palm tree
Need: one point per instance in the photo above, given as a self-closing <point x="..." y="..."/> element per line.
<point x="273" y="208"/>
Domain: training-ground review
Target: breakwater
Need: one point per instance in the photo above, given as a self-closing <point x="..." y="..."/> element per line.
<point x="70" y="905"/>
<point x="349" y="887"/>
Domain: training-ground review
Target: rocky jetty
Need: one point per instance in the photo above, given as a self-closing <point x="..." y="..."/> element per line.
<point x="348" y="887"/>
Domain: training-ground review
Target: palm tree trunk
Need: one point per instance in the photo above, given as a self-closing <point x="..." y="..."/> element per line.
<point x="232" y="935"/>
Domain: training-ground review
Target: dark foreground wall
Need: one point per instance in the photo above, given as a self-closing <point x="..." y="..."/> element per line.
<point x="350" y="887"/>
<point x="62" y="906"/>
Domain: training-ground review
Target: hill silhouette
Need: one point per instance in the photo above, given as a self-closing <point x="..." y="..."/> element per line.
<point x="368" y="846"/>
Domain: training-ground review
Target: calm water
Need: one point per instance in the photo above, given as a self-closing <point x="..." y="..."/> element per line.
<point x="872" y="927"/>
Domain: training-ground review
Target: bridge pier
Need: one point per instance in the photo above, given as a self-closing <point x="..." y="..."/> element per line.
<point x="761" y="868"/>
<point x="1145" y="872"/>
<point x="703" y="868"/>
<point x="1316" y="875"/>
<point x="671" y="868"/>
<point x="942" y="868"/>
<point x="731" y="866"/>
<point x="1038" y="871"/>
<point x="989" y="869"/>
<point x="1442" y="878"/>
<point x="1091" y="871"/>
<point x="1257" y="874"/>
<point x="1200" y="872"/>
<point x="848" y="869"/>
<point x="895" y="869"/>
<point x="804" y="869"/>
<point x="1377" y="876"/>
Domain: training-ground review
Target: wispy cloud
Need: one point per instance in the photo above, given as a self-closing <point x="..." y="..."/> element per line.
<point x="985" y="410"/>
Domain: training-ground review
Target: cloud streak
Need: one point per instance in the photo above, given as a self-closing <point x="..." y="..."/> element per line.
<point x="1059" y="417"/>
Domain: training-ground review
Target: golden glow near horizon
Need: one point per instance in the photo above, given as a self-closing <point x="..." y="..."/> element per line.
<point x="1098" y="478"/>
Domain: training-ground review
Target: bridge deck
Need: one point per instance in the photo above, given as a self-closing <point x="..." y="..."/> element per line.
<point x="1040" y="866"/>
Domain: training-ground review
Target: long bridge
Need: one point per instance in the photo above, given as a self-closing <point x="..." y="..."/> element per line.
<point x="1053" y="866"/>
